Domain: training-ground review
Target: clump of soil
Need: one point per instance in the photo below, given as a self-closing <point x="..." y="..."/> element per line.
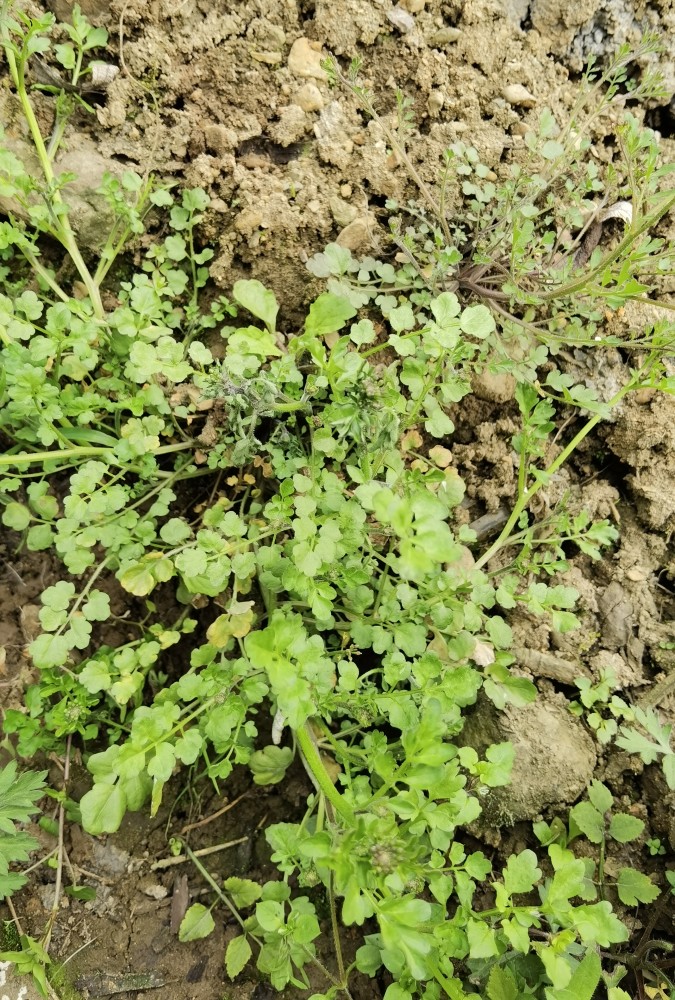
<point x="544" y="735"/>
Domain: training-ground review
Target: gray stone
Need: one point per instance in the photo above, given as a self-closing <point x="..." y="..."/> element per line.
<point x="358" y="234"/>
<point x="342" y="211"/>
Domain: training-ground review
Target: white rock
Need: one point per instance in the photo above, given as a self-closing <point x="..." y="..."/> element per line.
<point x="156" y="891"/>
<point x="516" y="94"/>
<point x="401" y="19"/>
<point x="305" y="59"/>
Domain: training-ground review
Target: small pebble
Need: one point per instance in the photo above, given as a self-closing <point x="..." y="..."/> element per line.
<point x="435" y="101"/>
<point x="342" y="211"/>
<point x="636" y="574"/>
<point x="103" y="74"/>
<point x="155" y="891"/>
<point x="401" y="19"/>
<point x="309" y="98"/>
<point x="305" y="59"/>
<point x="271" y="58"/>
<point x="414" y="6"/>
<point x="357" y="234"/>
<point x="346" y="190"/>
<point x="516" y="94"/>
<point x="643" y="396"/>
<point x="444" y="36"/>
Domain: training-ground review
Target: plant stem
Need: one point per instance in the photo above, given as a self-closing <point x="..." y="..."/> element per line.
<point x="313" y="760"/>
<point x="336" y="930"/>
<point x="81" y="452"/>
<point x="601" y="868"/>
<point x="218" y="891"/>
<point x="526" y="496"/>
<point x="82" y="596"/>
<point x="42" y="272"/>
<point x="62" y="229"/>
<point x="59" y="867"/>
<point x="368" y="106"/>
<point x="451" y="989"/>
<point x="578" y="284"/>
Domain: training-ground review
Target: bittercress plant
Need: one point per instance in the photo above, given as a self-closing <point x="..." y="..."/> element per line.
<point x="328" y="582"/>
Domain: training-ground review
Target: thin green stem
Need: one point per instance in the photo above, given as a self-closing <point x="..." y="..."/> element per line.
<point x="367" y="105"/>
<point x="526" y="496"/>
<point x="313" y="760"/>
<point x="601" y="868"/>
<point x="62" y="228"/>
<point x="206" y="875"/>
<point x="59" y="867"/>
<point x="336" y="929"/>
<point x="451" y="989"/>
<point x="582" y="282"/>
<point x="83" y="594"/>
<point x="43" y="273"/>
<point x="81" y="452"/>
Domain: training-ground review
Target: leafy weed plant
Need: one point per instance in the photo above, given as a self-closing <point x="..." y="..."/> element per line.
<point x="327" y="582"/>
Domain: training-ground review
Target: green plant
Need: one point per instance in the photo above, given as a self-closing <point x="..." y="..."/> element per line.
<point x="507" y="240"/>
<point x="605" y="707"/>
<point x="655" y="847"/>
<point x="650" y="741"/>
<point x="19" y="795"/>
<point x="30" y="959"/>
<point x="594" y="819"/>
<point x="342" y="594"/>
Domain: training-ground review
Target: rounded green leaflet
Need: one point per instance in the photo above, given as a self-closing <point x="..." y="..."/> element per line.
<point x="103" y="808"/>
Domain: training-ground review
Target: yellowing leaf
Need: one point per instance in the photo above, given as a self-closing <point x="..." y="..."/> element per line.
<point x="232" y="625"/>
